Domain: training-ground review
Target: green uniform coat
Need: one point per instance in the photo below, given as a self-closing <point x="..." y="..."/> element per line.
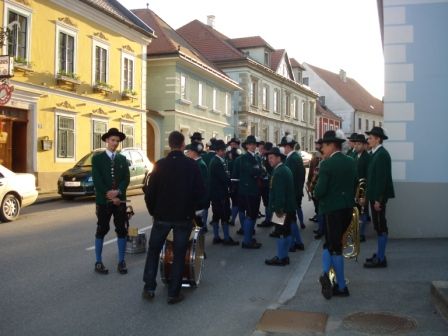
<point x="281" y="190"/>
<point x="335" y="188"/>
<point x="379" y="177"/>
<point x="203" y="201"/>
<point x="295" y="163"/>
<point x="102" y="177"/>
<point x="363" y="164"/>
<point x="208" y="156"/>
<point x="247" y="169"/>
<point x="219" y="180"/>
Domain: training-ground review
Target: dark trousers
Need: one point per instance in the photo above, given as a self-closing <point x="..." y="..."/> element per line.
<point x="250" y="204"/>
<point x="265" y="193"/>
<point x="379" y="219"/>
<point x="159" y="232"/>
<point x="221" y="210"/>
<point x="285" y="229"/>
<point x="104" y="213"/>
<point x="336" y="223"/>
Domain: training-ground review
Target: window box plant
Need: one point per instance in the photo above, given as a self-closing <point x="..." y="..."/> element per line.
<point x="21" y="64"/>
<point x="64" y="78"/>
<point x="102" y="87"/>
<point x="129" y="94"/>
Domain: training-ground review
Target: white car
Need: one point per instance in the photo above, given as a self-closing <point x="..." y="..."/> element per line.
<point x="16" y="191"/>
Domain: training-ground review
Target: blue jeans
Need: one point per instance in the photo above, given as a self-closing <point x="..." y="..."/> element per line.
<point x="159" y="232"/>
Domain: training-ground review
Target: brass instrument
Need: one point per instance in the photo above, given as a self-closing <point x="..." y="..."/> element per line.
<point x="360" y="195"/>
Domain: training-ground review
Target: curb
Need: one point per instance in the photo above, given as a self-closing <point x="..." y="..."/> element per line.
<point x="47" y="199"/>
<point x="439" y="296"/>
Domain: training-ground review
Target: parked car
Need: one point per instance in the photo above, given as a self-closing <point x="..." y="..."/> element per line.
<point x="306" y="157"/>
<point x="78" y="181"/>
<point x="16" y="191"/>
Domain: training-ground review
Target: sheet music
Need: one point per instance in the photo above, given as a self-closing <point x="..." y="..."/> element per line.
<point x="278" y="220"/>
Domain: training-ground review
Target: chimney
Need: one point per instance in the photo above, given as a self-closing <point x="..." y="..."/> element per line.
<point x="343" y="75"/>
<point x="211" y="21"/>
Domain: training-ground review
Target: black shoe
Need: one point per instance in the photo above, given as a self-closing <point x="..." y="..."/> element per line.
<point x="340" y="292"/>
<point x="230" y="242"/>
<point x="232" y="223"/>
<point x="265" y="224"/>
<point x="362" y="238"/>
<point x="376" y="263"/>
<point x="276" y="261"/>
<point x="252" y="245"/>
<point x="313" y="219"/>
<point x="302" y="226"/>
<point x="260" y="215"/>
<point x="100" y="268"/>
<point x="204" y="229"/>
<point x="121" y="268"/>
<point x="327" y="288"/>
<point x="175" y="299"/>
<point x="316" y="231"/>
<point x="274" y="234"/>
<point x="299" y="246"/>
<point x="373" y="257"/>
<point x="148" y="294"/>
<point x="217" y="241"/>
<point x="318" y="236"/>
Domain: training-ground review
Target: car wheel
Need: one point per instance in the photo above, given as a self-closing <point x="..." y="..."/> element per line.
<point x="10" y="208"/>
<point x="68" y="197"/>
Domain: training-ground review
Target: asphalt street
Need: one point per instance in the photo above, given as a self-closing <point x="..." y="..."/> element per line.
<point x="48" y="286"/>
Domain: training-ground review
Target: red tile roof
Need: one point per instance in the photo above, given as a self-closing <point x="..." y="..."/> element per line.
<point x="276" y="57"/>
<point x="351" y="91"/>
<point x="324" y="111"/>
<point x="296" y="64"/>
<point x="250" y="42"/>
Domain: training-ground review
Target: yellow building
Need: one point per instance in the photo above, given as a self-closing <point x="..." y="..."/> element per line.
<point x="80" y="68"/>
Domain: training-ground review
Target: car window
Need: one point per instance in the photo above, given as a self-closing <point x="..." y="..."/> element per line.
<point x="127" y="156"/>
<point x="86" y="161"/>
<point x="1" y="175"/>
<point x="136" y="157"/>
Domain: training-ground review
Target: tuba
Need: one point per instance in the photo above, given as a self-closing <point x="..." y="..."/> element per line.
<point x="351" y="239"/>
<point x="360" y="195"/>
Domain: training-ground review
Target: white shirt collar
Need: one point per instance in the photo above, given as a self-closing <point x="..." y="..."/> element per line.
<point x="376" y="148"/>
<point x="109" y="153"/>
<point x="334" y="153"/>
<point x="279" y="164"/>
<point x="252" y="153"/>
<point x="222" y="159"/>
<point x="289" y="154"/>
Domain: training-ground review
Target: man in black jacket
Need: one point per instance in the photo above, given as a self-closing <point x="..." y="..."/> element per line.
<point x="173" y="189"/>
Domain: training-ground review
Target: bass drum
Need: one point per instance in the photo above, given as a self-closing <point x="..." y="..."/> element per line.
<point x="194" y="259"/>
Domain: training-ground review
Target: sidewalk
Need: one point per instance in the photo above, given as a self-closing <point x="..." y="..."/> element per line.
<point x="394" y="300"/>
<point x="47" y="197"/>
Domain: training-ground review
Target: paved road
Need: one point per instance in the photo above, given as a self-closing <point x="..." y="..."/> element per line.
<point x="48" y="286"/>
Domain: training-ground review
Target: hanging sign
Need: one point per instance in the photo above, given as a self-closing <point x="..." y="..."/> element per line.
<point x="5" y="93"/>
<point x="6" y="66"/>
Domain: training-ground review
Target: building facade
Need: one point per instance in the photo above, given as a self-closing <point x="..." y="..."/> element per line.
<point x="358" y="109"/>
<point x="187" y="90"/>
<point x="415" y="53"/>
<point x="272" y="102"/>
<point x="326" y="120"/>
<point x="80" y="68"/>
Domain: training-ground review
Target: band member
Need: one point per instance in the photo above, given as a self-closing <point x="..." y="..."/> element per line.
<point x="210" y="153"/>
<point x="173" y="189"/>
<point x="312" y="177"/>
<point x="335" y="191"/>
<point x="351" y="150"/>
<point x="247" y="170"/>
<point x="283" y="203"/>
<point x="219" y="194"/>
<point x="193" y="151"/>
<point x="379" y="189"/>
<point x="295" y="163"/>
<point x="233" y="152"/>
<point x="110" y="172"/>
<point x="197" y="138"/>
<point x="267" y="173"/>
<point x="362" y="162"/>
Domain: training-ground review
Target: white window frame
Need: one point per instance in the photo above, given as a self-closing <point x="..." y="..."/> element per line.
<point x="287" y="104"/>
<point x="302" y="112"/>
<point x="56" y="136"/>
<point x="96" y="43"/>
<point x="265" y="97"/>
<point x="254" y="92"/>
<point x="227" y="105"/>
<point x="276" y="102"/>
<point x="97" y="119"/>
<point x="24" y="11"/>
<point x="215" y="100"/>
<point x="63" y="28"/>
<point x="200" y="94"/>
<point x="183" y="78"/>
<point x="295" y="108"/>
<point x="122" y="124"/>
<point x="126" y="55"/>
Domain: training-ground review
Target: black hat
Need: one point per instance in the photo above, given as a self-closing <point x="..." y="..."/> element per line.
<point x="251" y="140"/>
<point x="268" y="146"/>
<point x="195" y="147"/>
<point x="196" y="136"/>
<point x="211" y="143"/>
<point x="352" y="137"/>
<point x="288" y="140"/>
<point x="333" y="136"/>
<point x="261" y="142"/>
<point x="113" y="132"/>
<point x="219" y="145"/>
<point x="235" y="140"/>
<point x="359" y="138"/>
<point x="319" y="141"/>
<point x="276" y="151"/>
<point x="379" y="132"/>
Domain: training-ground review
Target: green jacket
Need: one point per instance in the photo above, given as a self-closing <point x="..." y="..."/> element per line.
<point x="247" y="169"/>
<point x="379" y="177"/>
<point x="351" y="152"/>
<point x="208" y="156"/>
<point x="204" y="200"/>
<point x="335" y="188"/>
<point x="102" y="177"/>
<point x="362" y="163"/>
<point x="219" y="180"/>
<point x="281" y="190"/>
<point x="295" y="163"/>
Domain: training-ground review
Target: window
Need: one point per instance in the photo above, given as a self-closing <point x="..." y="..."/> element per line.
<point x="276" y="102"/>
<point x="227" y="105"/>
<point x="295" y="108"/>
<point x="183" y="87"/>
<point x="302" y="142"/>
<point x="311" y="113"/>
<point x="200" y="100"/>
<point x="254" y="129"/>
<point x="367" y="124"/>
<point x="265" y="134"/>
<point x="299" y="76"/>
<point x="359" y="123"/>
<point x="18" y="38"/>
<point x="128" y="73"/>
<point x="266" y="58"/>
<point x="66" y="53"/>
<point x="287" y="105"/>
<point x="253" y="92"/>
<point x="265" y="98"/>
<point x="277" y="135"/>
<point x="98" y="129"/>
<point x="373" y="123"/>
<point x="215" y="102"/>
<point x="65" y="136"/>
<point x="101" y="57"/>
<point x="302" y="112"/>
<point x="128" y="130"/>
<point x="380" y="124"/>
<point x="325" y="127"/>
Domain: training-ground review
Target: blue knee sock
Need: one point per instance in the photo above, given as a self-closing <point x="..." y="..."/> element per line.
<point x="287" y="244"/>
<point x="215" y="229"/>
<point x="234" y="213"/>
<point x="338" y="265"/>
<point x="205" y="217"/>
<point x="300" y="215"/>
<point x="242" y="217"/>
<point x="98" y="249"/>
<point x="121" y="242"/>
<point x="295" y="232"/>
<point x="248" y="227"/>
<point x="326" y="261"/>
<point x="282" y="252"/>
<point x="382" y="242"/>
<point x="268" y="215"/>
<point x="225" y="230"/>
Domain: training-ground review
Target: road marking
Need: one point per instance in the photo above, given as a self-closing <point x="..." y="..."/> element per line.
<point x="91" y="248"/>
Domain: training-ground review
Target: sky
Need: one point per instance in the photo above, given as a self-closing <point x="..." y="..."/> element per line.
<point x="330" y="34"/>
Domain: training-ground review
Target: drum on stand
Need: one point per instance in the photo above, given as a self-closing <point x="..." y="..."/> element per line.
<point x="194" y="259"/>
